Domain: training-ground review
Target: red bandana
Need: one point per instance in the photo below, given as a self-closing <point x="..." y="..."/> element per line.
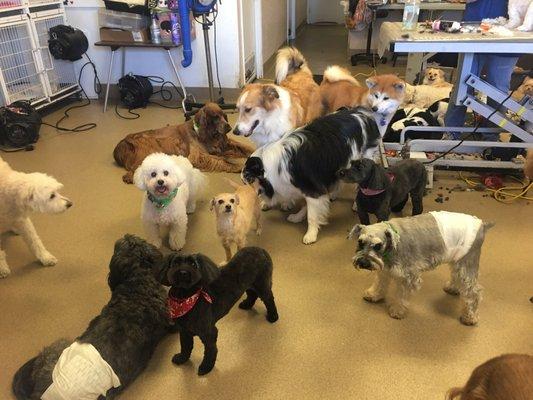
<point x="179" y="307"/>
<point x="375" y="192"/>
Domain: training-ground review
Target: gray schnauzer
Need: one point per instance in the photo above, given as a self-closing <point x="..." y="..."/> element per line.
<point x="382" y="191"/>
<point x="403" y="248"/>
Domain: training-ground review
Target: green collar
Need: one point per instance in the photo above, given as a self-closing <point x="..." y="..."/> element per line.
<point x="161" y="203"/>
<point x="386" y="255"/>
<point x="195" y="126"/>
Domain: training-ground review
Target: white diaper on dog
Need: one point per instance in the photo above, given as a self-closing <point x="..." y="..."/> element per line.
<point x="80" y="374"/>
<point x="458" y="232"/>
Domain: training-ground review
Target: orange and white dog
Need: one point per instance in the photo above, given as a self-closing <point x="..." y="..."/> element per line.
<point x="268" y="111"/>
<point x="383" y="94"/>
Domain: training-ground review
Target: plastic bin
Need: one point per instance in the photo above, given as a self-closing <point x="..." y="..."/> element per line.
<point x="122" y="20"/>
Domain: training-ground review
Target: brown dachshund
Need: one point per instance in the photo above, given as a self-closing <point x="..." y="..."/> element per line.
<point x="202" y="140"/>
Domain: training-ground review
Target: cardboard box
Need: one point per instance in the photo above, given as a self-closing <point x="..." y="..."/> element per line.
<point x="121" y="35"/>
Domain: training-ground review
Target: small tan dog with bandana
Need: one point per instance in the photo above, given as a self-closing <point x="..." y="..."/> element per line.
<point x="235" y="212"/>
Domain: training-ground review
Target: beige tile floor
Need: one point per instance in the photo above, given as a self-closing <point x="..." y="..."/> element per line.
<point x="328" y="343"/>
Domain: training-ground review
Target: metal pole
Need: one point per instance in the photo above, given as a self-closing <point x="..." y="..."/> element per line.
<point x="205" y="28"/>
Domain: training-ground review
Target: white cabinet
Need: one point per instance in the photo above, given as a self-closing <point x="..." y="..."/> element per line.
<point x="27" y="69"/>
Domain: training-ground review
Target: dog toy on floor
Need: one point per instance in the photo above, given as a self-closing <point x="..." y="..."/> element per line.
<point x="403" y="248"/>
<point x="201" y="294"/>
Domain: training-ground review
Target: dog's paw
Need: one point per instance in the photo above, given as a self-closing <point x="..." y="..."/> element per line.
<point x="468" y="319"/>
<point x="310" y="237"/>
<point x="397" y="311"/>
<point x="128" y="178"/>
<point x="285" y="206"/>
<point x="523" y="28"/>
<point x="272" y="317"/>
<point x="246" y="304"/>
<point x="265" y="207"/>
<point x="176" y="245"/>
<point x="205" y="368"/>
<point x="451" y="290"/>
<point x="179" y="359"/>
<point x="4" y="271"/>
<point x="373" y="297"/>
<point x="295" y="218"/>
<point x="48" y="260"/>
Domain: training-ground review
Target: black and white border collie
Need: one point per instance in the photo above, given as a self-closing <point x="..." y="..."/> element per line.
<point x="302" y="164"/>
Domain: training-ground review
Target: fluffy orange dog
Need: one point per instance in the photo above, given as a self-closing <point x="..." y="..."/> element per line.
<point x="267" y="111"/>
<point x="235" y="212"/>
<point x="508" y="377"/>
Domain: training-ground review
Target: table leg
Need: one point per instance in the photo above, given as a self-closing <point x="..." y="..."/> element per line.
<point x="109" y="71"/>
<point x="123" y="61"/>
<point x="464" y="68"/>
<point x="179" y="79"/>
<point x="414" y="61"/>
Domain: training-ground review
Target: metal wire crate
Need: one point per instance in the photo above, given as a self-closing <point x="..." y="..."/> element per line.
<point x="61" y="74"/>
<point x="20" y="77"/>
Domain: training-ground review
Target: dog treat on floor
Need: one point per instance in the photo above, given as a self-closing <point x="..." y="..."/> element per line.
<point x="117" y="344"/>
<point x="509" y="376"/>
<point x="201" y="294"/>
<point x="303" y="164"/>
<point x="172" y="186"/>
<point x="202" y="140"/>
<point x="235" y="213"/>
<point x="402" y="248"/>
<point x="20" y="194"/>
<point x="381" y="191"/>
<point x="268" y="111"/>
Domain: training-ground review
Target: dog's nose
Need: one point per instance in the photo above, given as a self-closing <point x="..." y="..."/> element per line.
<point x="236" y="131"/>
<point x="69" y="204"/>
<point x="183" y="274"/>
<point x="160" y="181"/>
<point x="374" y="108"/>
<point x="228" y="207"/>
<point x="363" y="263"/>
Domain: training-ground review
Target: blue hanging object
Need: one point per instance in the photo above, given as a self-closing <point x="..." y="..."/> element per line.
<point x="198" y="7"/>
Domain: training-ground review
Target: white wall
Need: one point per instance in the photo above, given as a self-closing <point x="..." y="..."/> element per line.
<point x="301" y="12"/>
<point x="325" y="11"/>
<point x="274" y="26"/>
<point x="83" y="15"/>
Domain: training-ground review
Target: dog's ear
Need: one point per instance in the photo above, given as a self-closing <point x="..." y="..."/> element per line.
<point x="355" y="232"/>
<point x="400" y="87"/>
<point x="160" y="270"/>
<point x="200" y="118"/>
<point x="371" y="82"/>
<point x="270" y="92"/>
<point x="212" y="206"/>
<point x="208" y="269"/>
<point x="392" y="239"/>
<point x="377" y="178"/>
<point x="441" y="73"/>
<point x="236" y="199"/>
<point x="138" y="178"/>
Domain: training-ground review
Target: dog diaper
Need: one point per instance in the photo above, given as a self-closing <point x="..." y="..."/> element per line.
<point x="458" y="232"/>
<point x="82" y="374"/>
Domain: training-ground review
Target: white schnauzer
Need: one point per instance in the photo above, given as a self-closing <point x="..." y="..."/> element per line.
<point x="403" y="248"/>
<point x="172" y="185"/>
<point x="20" y="194"/>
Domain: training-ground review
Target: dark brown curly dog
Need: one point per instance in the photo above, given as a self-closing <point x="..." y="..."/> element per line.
<point x="202" y="140"/>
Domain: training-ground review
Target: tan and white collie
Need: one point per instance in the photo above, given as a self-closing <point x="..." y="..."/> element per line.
<point x="268" y="111"/>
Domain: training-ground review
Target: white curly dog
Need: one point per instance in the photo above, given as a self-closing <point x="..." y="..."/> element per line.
<point x="172" y="185"/>
<point x="20" y="194"/>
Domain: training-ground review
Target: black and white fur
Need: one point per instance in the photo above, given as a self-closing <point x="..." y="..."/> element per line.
<point x="409" y="178"/>
<point x="303" y="163"/>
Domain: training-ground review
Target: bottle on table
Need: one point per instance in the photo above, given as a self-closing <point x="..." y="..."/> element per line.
<point x="155" y="31"/>
<point x="410" y="15"/>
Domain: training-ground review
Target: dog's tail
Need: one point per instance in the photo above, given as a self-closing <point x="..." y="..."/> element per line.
<point x="334" y="73"/>
<point x="289" y="60"/>
<point x="453" y="393"/>
<point x="23" y="383"/>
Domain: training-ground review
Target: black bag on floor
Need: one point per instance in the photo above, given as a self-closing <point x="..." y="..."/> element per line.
<point x="19" y="125"/>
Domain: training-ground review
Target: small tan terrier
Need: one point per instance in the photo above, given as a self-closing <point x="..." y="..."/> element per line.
<point x="235" y="212"/>
<point x="435" y="77"/>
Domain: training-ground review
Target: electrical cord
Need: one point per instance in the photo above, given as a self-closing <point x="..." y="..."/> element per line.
<point x="97" y="88"/>
<point x="496" y="109"/>
<point x="503" y="194"/>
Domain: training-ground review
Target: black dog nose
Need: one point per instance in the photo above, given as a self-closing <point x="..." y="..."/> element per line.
<point x="160" y="182"/>
<point x="236" y="131"/>
<point x="69" y="204"/>
<point x="374" y="108"/>
<point x="228" y="207"/>
<point x="363" y="263"/>
<point x="183" y="274"/>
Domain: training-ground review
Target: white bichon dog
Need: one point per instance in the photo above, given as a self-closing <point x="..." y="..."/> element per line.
<point x="172" y="185"/>
<point x="20" y="194"/>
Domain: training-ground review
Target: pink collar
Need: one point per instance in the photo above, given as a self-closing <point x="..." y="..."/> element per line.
<point x="179" y="307"/>
<point x="375" y="192"/>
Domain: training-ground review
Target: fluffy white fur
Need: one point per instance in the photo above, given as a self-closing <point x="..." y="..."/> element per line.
<point x="159" y="174"/>
<point x="520" y="15"/>
<point x="335" y="73"/>
<point x="423" y="96"/>
<point x="20" y="194"/>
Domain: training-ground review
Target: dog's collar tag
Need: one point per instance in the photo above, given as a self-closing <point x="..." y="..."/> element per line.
<point x="179" y="307"/>
<point x="162" y="203"/>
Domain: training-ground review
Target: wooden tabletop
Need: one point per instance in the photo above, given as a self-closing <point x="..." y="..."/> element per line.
<point x="135" y="44"/>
